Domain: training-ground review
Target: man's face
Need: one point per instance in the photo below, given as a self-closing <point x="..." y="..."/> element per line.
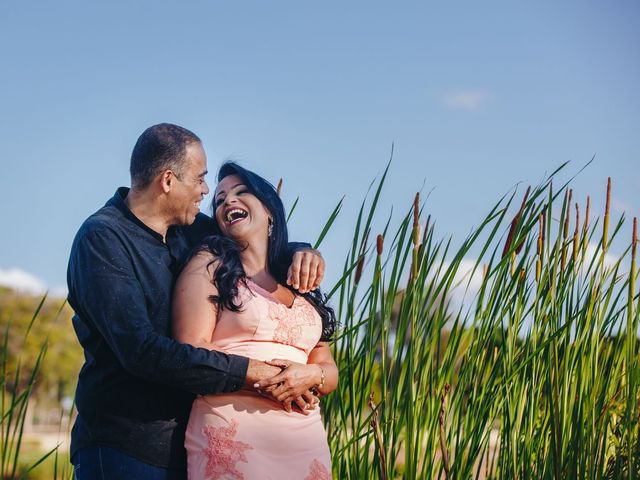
<point x="188" y="190"/>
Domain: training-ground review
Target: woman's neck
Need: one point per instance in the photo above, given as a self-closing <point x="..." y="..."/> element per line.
<point x="254" y="259"/>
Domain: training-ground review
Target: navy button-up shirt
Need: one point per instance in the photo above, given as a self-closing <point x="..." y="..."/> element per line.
<point x="136" y="386"/>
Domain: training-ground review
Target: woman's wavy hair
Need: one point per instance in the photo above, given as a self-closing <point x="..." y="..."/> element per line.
<point x="226" y="251"/>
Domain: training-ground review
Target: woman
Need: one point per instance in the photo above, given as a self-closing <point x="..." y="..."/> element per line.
<point x="232" y="296"/>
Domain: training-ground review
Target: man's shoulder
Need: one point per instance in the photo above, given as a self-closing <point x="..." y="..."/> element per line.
<point x="103" y="222"/>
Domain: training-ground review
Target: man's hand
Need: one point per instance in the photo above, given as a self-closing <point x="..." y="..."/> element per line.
<point x="259" y="373"/>
<point x="306" y="270"/>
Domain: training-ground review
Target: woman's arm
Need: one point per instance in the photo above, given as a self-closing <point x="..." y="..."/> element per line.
<point x="320" y="374"/>
<point x="193" y="315"/>
<point x="321" y="356"/>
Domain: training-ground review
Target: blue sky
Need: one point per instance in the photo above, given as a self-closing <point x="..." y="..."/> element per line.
<point x="476" y="96"/>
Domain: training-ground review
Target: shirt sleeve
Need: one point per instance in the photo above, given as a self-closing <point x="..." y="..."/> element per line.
<point x="107" y="294"/>
<point x="295" y="246"/>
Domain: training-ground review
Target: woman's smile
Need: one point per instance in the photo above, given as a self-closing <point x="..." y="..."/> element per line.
<point x="235" y="215"/>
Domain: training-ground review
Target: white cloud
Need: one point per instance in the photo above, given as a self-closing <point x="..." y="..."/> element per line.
<point x="25" y="282"/>
<point x="466" y="284"/>
<point x="466" y="99"/>
<point x="610" y="259"/>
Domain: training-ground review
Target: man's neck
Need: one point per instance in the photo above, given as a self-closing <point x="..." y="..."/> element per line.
<point x="145" y="207"/>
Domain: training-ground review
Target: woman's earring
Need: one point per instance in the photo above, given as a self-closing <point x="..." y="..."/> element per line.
<point x="270" y="227"/>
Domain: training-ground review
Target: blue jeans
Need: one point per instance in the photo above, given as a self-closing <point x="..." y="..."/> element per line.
<point x="105" y="463"/>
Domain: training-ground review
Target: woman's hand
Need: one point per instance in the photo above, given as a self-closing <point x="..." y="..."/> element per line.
<point x="293" y="383"/>
<point x="304" y="403"/>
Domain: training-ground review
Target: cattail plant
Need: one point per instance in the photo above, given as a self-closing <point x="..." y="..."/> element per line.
<point x="543" y="380"/>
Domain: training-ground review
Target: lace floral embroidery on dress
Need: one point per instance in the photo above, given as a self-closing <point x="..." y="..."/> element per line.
<point x="317" y="471"/>
<point x="224" y="452"/>
<point x="291" y="321"/>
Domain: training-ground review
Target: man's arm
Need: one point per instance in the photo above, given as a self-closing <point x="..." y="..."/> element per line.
<point x="106" y="293"/>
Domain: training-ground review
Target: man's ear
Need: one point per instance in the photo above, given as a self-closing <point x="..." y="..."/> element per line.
<point x="166" y="180"/>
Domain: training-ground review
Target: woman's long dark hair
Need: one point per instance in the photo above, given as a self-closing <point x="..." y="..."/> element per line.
<point x="226" y="251"/>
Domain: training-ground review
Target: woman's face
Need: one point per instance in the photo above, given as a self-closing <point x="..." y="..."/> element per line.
<point x="239" y="213"/>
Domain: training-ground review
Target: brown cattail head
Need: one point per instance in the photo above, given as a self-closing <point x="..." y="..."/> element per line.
<point x="279" y="188"/>
<point x="586" y="215"/>
<point x="416" y="221"/>
<point x="540" y="233"/>
<point x="605" y="228"/>
<point x="522" y="275"/>
<point x="359" y="269"/>
<point x="565" y="231"/>
<point x="379" y="244"/>
<point x="514" y="225"/>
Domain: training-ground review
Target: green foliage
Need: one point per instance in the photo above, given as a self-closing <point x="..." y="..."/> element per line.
<point x="59" y="373"/>
<point x="535" y="378"/>
<point x="28" y="327"/>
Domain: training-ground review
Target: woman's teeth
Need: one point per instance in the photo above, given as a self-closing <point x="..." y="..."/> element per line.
<point x="235" y="215"/>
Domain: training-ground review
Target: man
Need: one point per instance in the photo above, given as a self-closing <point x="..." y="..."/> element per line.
<point x="136" y="387"/>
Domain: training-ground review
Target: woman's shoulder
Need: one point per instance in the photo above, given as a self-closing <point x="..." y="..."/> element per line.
<point x="202" y="261"/>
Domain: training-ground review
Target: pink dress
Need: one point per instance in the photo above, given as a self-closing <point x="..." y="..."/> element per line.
<point x="242" y="435"/>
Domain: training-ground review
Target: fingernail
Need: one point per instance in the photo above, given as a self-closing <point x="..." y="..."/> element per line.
<point x="295" y="285"/>
<point x="256" y="385"/>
